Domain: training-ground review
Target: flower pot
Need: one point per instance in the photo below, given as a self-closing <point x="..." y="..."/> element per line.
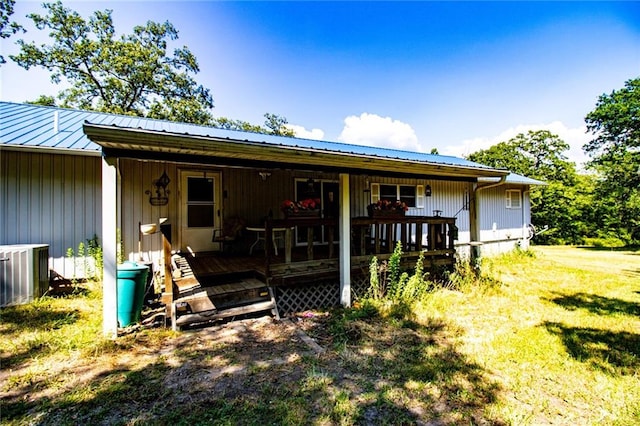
<point x="385" y="213"/>
<point x="303" y="213"/>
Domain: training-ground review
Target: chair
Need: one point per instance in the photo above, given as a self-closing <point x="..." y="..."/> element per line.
<point x="229" y="233"/>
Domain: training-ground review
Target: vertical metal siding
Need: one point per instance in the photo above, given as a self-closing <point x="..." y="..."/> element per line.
<point x="24" y="273"/>
<point x="50" y="199"/>
<point x="509" y="223"/>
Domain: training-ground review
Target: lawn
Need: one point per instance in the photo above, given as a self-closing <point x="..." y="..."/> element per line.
<point x="553" y="337"/>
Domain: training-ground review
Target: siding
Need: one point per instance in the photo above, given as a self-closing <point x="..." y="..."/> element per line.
<point x="498" y="222"/>
<point x="55" y="199"/>
<point x="451" y="198"/>
<point x="50" y="199"/>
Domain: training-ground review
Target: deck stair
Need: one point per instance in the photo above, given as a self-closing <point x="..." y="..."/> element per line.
<point x="199" y="304"/>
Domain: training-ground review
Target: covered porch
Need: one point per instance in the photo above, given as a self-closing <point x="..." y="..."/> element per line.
<point x="251" y="179"/>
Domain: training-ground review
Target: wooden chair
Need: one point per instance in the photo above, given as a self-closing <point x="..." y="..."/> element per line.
<point x="230" y="232"/>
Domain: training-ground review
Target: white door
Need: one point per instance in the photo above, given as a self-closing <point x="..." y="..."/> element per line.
<point x="200" y="199"/>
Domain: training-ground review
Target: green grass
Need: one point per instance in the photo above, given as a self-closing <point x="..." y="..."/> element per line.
<point x="550" y="336"/>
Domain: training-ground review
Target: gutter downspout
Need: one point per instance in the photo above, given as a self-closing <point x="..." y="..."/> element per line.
<point x="475" y="222"/>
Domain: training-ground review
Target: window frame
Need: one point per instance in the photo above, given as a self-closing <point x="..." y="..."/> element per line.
<point x="510" y="196"/>
<point x="417" y="201"/>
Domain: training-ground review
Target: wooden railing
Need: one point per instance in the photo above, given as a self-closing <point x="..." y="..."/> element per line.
<point x="379" y="235"/>
<point x="434" y="236"/>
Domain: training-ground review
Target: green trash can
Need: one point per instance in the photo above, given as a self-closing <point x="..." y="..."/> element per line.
<point x="131" y="282"/>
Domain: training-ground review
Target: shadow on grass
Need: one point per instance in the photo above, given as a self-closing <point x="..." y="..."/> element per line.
<point x="385" y="373"/>
<point x="613" y="352"/>
<point x="596" y="304"/>
<point x="33" y="318"/>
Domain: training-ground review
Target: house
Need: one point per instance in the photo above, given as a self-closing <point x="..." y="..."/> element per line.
<point x="67" y="175"/>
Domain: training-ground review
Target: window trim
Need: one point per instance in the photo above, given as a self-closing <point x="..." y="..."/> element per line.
<point x="510" y="196"/>
<point x="418" y="191"/>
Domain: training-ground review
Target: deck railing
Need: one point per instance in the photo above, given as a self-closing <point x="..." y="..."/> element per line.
<point x="434" y="236"/>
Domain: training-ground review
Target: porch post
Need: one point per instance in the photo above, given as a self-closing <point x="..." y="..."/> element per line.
<point x="344" y="223"/>
<point x="109" y="246"/>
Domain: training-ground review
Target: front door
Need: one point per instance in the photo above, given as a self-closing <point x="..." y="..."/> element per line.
<point x="200" y="202"/>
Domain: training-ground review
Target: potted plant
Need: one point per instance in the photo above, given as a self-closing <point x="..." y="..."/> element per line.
<point x="385" y="208"/>
<point x="309" y="207"/>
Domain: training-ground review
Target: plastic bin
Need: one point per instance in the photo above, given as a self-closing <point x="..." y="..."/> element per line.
<point x="131" y="282"/>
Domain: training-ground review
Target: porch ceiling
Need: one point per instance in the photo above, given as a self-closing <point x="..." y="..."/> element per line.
<point x="162" y="145"/>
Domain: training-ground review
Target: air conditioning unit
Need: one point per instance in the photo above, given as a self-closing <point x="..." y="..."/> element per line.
<point x="24" y="273"/>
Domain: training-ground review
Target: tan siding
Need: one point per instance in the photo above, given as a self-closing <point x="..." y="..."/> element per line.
<point x="50" y="199"/>
<point x="136" y="178"/>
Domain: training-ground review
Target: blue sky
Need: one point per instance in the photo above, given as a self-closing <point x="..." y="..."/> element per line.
<point x="456" y="76"/>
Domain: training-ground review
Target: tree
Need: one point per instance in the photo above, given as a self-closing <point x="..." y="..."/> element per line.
<point x="273" y="125"/>
<point x="130" y="74"/>
<point x="43" y="100"/>
<point x="540" y="155"/>
<point x="277" y="125"/>
<point x="7" y="27"/>
<point x="615" y="157"/>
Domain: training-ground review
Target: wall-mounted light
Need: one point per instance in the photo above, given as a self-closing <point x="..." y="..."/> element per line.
<point x="427" y="191"/>
<point x="264" y="175"/>
<point x="161" y="194"/>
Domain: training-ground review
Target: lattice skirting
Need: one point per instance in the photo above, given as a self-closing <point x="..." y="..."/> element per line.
<point x="320" y="295"/>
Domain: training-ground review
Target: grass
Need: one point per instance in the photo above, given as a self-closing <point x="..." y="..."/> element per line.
<point x="551" y="338"/>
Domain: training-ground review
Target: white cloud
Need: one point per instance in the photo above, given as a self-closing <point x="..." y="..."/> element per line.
<point x="576" y="137"/>
<point x="301" y="132"/>
<point x="373" y="130"/>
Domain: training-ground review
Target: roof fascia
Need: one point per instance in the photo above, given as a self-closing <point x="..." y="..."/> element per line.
<point x="114" y="139"/>
<point x="50" y="150"/>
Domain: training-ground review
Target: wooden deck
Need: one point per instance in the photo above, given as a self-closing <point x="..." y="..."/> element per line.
<point x="208" y="286"/>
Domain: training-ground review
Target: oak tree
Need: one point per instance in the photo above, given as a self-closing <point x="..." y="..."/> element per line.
<point x="132" y="74"/>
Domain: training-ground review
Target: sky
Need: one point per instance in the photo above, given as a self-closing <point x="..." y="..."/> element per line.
<point x="454" y="76"/>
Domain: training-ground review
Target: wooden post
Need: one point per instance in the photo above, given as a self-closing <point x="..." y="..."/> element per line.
<point x="330" y="230"/>
<point x="168" y="295"/>
<point x="109" y="247"/>
<point x="287" y="244"/>
<point x="344" y="224"/>
<point x="309" y="242"/>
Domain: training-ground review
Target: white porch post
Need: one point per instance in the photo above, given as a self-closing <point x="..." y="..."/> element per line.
<point x="345" y="241"/>
<point x="109" y="246"/>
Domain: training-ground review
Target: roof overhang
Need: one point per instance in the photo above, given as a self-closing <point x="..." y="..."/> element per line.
<point x="161" y="145"/>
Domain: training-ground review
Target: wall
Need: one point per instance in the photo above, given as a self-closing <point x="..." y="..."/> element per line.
<point x="501" y="229"/>
<point x="52" y="199"/>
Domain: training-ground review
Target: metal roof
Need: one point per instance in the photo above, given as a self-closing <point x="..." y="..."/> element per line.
<point x="523" y="180"/>
<point x="25" y="126"/>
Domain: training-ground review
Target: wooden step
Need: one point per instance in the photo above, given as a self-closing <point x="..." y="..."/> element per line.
<point x="231" y="312"/>
<point x="221" y="301"/>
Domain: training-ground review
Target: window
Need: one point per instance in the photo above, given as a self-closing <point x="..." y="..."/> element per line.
<point x="513" y="199"/>
<point x="200" y="202"/>
<point x="404" y="193"/>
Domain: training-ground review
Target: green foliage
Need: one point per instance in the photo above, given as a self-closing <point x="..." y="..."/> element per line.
<point x="93" y="250"/>
<point x="574" y="206"/>
<point x="273" y="125"/>
<point x="393" y="278"/>
<point x="538" y="154"/>
<point x="376" y="285"/>
<point x="389" y="283"/>
<point x="43" y="100"/>
<point x="132" y="74"/>
<point x="7" y="27"/>
<point x="615" y="157"/>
